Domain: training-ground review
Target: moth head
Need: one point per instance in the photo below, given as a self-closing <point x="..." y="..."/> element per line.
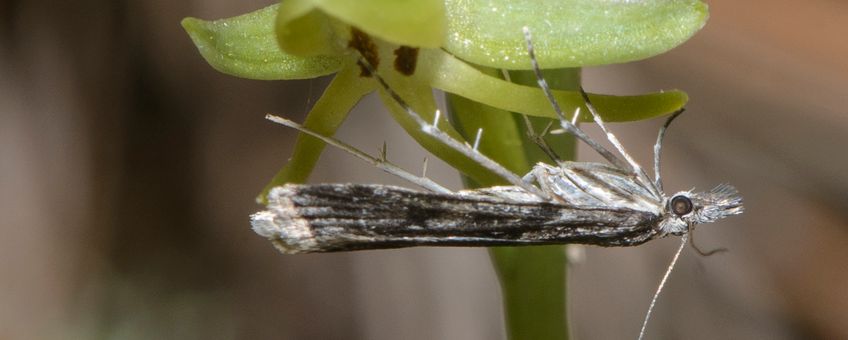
<point x="685" y="209"/>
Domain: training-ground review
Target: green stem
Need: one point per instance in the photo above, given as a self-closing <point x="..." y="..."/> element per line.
<point x="532" y="278"/>
<point x="533" y="288"/>
<point x="325" y="118"/>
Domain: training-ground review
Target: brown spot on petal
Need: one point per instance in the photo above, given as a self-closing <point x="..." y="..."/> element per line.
<point x="406" y="58"/>
<point x="362" y="42"/>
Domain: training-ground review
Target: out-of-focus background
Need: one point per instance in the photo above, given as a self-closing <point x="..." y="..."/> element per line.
<point x="128" y="168"/>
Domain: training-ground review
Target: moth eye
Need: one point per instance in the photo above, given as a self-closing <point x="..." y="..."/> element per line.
<point x="681" y="205"/>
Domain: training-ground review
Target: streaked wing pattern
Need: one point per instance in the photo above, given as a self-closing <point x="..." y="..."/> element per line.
<point x="596" y="185"/>
<point x="341" y="217"/>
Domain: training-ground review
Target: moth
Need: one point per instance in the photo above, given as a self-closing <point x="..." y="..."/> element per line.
<point x="566" y="203"/>
<point x="608" y="205"/>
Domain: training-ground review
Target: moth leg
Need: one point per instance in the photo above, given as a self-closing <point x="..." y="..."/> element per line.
<point x="658" y="148"/>
<point x="565" y="123"/>
<point x="530" y="177"/>
<point x="633" y="165"/>
<point x="630" y="164"/>
<point x="539" y="139"/>
<point x="380" y="162"/>
<point x="477" y="139"/>
<point x="444" y="138"/>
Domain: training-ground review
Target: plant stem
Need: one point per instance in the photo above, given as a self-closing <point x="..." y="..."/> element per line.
<point x="532" y="278"/>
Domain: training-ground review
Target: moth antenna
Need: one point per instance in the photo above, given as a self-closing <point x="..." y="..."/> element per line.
<point x="381" y="163"/>
<point x="477" y="139"/>
<point x="634" y="166"/>
<point x="566" y="125"/>
<point x="660" y="287"/>
<point x="658" y="150"/>
<point x="449" y="141"/>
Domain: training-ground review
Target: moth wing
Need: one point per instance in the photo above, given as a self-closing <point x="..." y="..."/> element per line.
<point x="341" y="217"/>
<point x="596" y="185"/>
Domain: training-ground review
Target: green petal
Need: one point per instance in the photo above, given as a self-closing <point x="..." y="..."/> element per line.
<point x="303" y="30"/>
<point x="406" y="22"/>
<point x="569" y="33"/>
<point x="329" y="112"/>
<point x="455" y="76"/>
<point x="246" y="46"/>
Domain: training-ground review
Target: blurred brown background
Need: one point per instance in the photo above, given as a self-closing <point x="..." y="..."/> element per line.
<point x="128" y="168"/>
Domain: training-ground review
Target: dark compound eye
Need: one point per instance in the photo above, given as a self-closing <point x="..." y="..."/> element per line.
<point x="681" y="205"/>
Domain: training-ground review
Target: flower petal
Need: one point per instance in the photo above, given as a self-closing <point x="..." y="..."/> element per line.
<point x="452" y="75"/>
<point x="246" y="46"/>
<point x="419" y="23"/>
<point x="569" y="33"/>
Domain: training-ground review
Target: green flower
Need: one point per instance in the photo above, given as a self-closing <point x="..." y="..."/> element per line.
<point x="451" y="46"/>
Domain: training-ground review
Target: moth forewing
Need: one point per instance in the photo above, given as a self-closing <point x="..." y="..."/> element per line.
<point x="343" y="217"/>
